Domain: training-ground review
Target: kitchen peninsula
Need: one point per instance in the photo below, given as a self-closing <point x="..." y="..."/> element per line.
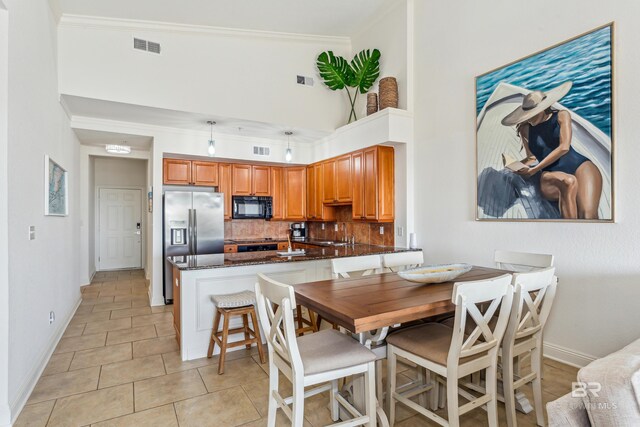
<point x="198" y="277"/>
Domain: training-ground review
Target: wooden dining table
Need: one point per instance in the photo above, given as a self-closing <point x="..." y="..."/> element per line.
<point x="367" y="303"/>
<point x="378" y="301"/>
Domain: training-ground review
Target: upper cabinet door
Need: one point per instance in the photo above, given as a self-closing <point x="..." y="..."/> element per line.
<point x="370" y="174"/>
<point x="241" y="179"/>
<point x="343" y="179"/>
<point x="329" y="182"/>
<point x="277" y="184"/>
<point x="386" y="184"/>
<point x="311" y="193"/>
<point x="177" y="172"/>
<point x="204" y="173"/>
<point x="261" y="176"/>
<point x="357" y="178"/>
<point x="224" y="186"/>
<point x="295" y="188"/>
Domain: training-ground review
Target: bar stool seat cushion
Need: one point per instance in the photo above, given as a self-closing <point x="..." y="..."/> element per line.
<point x="430" y="341"/>
<point x="330" y="350"/>
<point x="238" y="299"/>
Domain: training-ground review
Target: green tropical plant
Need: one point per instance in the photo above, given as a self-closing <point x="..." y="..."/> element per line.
<point x="360" y="74"/>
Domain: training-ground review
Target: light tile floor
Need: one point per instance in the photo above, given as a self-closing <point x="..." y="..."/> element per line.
<point x="118" y="364"/>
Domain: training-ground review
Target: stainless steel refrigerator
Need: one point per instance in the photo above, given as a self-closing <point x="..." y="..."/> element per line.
<point x="193" y="225"/>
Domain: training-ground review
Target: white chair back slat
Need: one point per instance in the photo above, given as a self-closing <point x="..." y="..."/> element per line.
<point x="534" y="295"/>
<point x="278" y="325"/>
<point x="522" y="261"/>
<point x="402" y="261"/>
<point x="356" y="266"/>
<point x="484" y="338"/>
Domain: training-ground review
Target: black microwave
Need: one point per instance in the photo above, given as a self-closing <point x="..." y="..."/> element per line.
<point x="251" y="207"/>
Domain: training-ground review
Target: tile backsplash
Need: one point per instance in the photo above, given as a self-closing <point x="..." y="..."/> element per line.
<point x="255" y="228"/>
<point x="364" y="232"/>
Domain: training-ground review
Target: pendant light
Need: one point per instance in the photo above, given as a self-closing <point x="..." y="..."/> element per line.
<point x="287" y="154"/>
<point x="211" y="151"/>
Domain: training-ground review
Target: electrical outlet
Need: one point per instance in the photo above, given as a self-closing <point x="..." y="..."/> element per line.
<point x="400" y="231"/>
<point x="335" y="227"/>
<point x="303" y="80"/>
<point x="52" y="317"/>
<point x="382" y="229"/>
<point x="322" y="226"/>
<point x="32" y="232"/>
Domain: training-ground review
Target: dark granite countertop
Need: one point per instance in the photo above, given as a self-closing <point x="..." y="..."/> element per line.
<point x="203" y="262"/>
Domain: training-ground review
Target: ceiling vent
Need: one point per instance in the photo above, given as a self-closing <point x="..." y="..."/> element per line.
<point x="260" y="151"/>
<point x="145" y="45"/>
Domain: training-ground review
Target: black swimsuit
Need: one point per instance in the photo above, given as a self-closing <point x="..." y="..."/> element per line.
<point x="544" y="138"/>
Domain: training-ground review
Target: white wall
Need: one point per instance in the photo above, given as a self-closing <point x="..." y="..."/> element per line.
<point x="235" y="74"/>
<point x="596" y="309"/>
<point x="4" y="226"/>
<point x="387" y="33"/>
<point x="43" y="274"/>
<point x="120" y="172"/>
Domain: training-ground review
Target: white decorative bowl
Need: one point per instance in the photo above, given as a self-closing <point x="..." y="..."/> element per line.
<point x="435" y="273"/>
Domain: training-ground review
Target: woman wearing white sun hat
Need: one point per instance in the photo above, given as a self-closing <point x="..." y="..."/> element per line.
<point x="566" y="176"/>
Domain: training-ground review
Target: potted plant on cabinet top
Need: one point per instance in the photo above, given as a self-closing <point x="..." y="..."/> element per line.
<point x="360" y="74"/>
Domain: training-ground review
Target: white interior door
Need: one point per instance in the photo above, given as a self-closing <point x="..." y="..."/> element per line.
<point x="120" y="229"/>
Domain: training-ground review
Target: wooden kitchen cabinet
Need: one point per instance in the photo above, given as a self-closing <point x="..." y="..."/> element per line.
<point x="343" y="179"/>
<point x="190" y="172"/>
<point x="230" y="249"/>
<point x="224" y="186"/>
<point x="316" y="209"/>
<point x="204" y="173"/>
<point x="295" y="188"/>
<point x="373" y="184"/>
<point x="177" y="172"/>
<point x="337" y="180"/>
<point x="277" y="193"/>
<point x="251" y="180"/>
<point x="241" y="179"/>
<point x="329" y="182"/>
<point x="260" y="180"/>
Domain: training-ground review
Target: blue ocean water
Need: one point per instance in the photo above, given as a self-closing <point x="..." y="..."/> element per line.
<point x="586" y="61"/>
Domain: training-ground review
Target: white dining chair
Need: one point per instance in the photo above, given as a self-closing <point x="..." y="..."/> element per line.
<point x="319" y="358"/>
<point x="522" y="261"/>
<point x="451" y="354"/>
<point x="356" y="266"/>
<point x="402" y="261"/>
<point x="534" y="295"/>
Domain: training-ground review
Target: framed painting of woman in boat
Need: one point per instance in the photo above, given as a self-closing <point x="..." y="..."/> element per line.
<point x="544" y="134"/>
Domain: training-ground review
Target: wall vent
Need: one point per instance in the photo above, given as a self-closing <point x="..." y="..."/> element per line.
<point x="260" y="151"/>
<point x="139" y="44"/>
<point x="153" y="47"/>
<point x="145" y="45"/>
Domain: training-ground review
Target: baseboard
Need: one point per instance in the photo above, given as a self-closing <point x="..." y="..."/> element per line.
<point x="25" y="391"/>
<point x="567" y="356"/>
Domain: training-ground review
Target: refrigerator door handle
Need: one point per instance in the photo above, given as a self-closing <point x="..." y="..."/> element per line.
<point x="190" y="231"/>
<point x="195" y="232"/>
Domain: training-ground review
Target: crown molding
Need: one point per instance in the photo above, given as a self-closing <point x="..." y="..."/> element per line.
<point x="117" y="24"/>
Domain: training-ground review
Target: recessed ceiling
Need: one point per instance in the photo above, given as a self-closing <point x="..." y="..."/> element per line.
<point x="322" y="17"/>
<point x="117" y="111"/>
<point x="100" y="139"/>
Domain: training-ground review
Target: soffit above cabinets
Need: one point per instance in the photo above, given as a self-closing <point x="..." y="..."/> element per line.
<point x="138" y="114"/>
<point x="324" y="18"/>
